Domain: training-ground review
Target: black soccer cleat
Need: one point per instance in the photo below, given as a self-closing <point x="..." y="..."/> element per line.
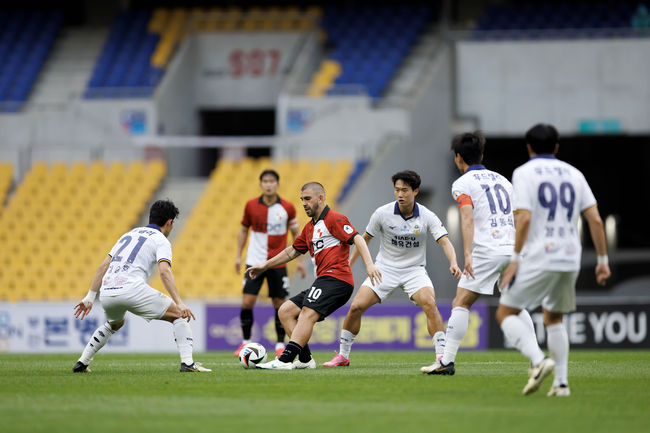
<point x="194" y="367"/>
<point x="444" y="369"/>
<point x="80" y="367"/>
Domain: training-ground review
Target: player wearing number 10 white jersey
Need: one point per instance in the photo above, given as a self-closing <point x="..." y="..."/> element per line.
<point x="550" y="195"/>
<point x="121" y="284"/>
<point x="484" y="198"/>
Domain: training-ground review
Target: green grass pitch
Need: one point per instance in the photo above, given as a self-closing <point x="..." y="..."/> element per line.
<point x="379" y="392"/>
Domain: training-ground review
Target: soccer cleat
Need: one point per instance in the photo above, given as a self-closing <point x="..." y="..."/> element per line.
<point x="537" y="375"/>
<point x="439" y="368"/>
<point x="279" y="350"/>
<point x="338" y="361"/>
<point x="276" y="364"/>
<point x="80" y="367"/>
<point x="559" y="391"/>
<point x="195" y="367"/>
<point x="298" y="365"/>
<point x="241" y="346"/>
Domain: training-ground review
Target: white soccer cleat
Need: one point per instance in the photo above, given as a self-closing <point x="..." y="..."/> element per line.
<point x="428" y="369"/>
<point x="276" y="364"/>
<point x="559" y="391"/>
<point x="537" y="375"/>
<point x="304" y="365"/>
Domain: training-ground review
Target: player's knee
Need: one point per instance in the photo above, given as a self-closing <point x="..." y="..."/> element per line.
<point x="288" y="310"/>
<point x="357" y="309"/>
<point x="117" y="325"/>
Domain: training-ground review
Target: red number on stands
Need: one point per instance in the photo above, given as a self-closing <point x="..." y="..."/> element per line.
<point x="254" y="62"/>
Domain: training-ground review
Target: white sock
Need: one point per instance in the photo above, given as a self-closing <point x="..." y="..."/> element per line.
<point x="456" y="330"/>
<point x="96" y="342"/>
<point x="439" y="343"/>
<point x="345" y="343"/>
<point x="558" y="345"/>
<point x="522" y="338"/>
<point x="184" y="340"/>
<point x="525" y="316"/>
<point x="279" y="346"/>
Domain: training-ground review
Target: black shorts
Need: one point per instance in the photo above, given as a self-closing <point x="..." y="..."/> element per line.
<point x="325" y="296"/>
<point x="276" y="278"/>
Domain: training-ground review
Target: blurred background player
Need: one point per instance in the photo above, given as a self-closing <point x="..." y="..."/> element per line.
<point x="484" y="198"/>
<point x="404" y="226"/>
<point x="121" y="283"/>
<point x="327" y="237"/>
<point x="270" y="218"/>
<point x="550" y="195"/>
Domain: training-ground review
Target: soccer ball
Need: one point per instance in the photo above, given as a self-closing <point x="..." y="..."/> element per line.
<point x="251" y="355"/>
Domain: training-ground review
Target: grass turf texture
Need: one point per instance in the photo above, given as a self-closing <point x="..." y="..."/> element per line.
<point x="379" y="392"/>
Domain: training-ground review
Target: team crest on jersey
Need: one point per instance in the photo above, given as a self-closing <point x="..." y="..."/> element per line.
<point x="319" y="232"/>
<point x="347" y="229"/>
<point x="416" y="229"/>
<point x="551" y="248"/>
<point x="496" y="234"/>
<point x="279" y="216"/>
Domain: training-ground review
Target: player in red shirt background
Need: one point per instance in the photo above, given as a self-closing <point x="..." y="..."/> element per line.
<point x="269" y="218"/>
<point x="327" y="237"/>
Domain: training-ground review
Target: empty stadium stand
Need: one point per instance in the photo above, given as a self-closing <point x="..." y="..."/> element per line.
<point x="26" y="39"/>
<point x="63" y="219"/>
<point x="204" y="251"/>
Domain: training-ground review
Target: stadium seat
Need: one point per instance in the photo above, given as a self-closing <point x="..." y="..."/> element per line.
<point x="69" y="238"/>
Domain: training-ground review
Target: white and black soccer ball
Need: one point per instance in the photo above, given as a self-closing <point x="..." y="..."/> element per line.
<point x="251" y="355"/>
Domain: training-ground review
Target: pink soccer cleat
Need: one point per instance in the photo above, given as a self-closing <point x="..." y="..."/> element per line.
<point x="338" y="361"/>
<point x="241" y="346"/>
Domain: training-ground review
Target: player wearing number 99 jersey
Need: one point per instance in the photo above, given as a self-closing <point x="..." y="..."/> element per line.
<point x="550" y="195"/>
<point x="121" y="284"/>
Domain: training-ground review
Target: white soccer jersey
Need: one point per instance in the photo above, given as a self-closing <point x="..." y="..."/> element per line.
<point x="404" y="240"/>
<point x="491" y="198"/>
<point x="133" y="257"/>
<point x="555" y="193"/>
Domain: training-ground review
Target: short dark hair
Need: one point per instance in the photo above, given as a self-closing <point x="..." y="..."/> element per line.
<point x="161" y="211"/>
<point x="272" y="173"/>
<point x="316" y="186"/>
<point x="542" y="138"/>
<point x="409" y="177"/>
<point x="469" y="146"/>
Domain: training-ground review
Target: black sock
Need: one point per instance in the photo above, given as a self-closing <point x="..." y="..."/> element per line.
<point x="246" y="318"/>
<point x="279" y="329"/>
<point x="305" y="354"/>
<point x="290" y="352"/>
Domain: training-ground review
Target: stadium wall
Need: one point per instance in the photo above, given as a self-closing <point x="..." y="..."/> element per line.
<point x="580" y="86"/>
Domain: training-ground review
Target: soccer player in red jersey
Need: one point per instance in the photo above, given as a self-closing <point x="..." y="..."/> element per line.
<point x="327" y="237"/>
<point x="269" y="218"/>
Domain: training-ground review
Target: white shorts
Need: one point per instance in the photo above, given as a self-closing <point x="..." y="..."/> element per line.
<point x="555" y="291"/>
<point x="410" y="280"/>
<point x="143" y="301"/>
<point x="487" y="271"/>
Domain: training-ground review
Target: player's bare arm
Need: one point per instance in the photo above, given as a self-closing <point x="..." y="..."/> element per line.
<point x="86" y="304"/>
<point x="450" y="253"/>
<point x="300" y="266"/>
<point x="169" y="282"/>
<point x="241" y="241"/>
<point x="522" y="224"/>
<point x="597" y="232"/>
<point x="361" y="245"/>
<point x="355" y="252"/>
<point x="467" y="229"/>
<point x="288" y="254"/>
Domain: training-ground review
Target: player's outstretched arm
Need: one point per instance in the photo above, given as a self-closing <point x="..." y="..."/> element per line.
<point x="522" y="224"/>
<point x="241" y="241"/>
<point x="450" y="253"/>
<point x="300" y="265"/>
<point x="288" y="254"/>
<point x="355" y="251"/>
<point x="361" y="245"/>
<point x="84" y="306"/>
<point x="467" y="229"/>
<point x="597" y="232"/>
<point x="169" y="282"/>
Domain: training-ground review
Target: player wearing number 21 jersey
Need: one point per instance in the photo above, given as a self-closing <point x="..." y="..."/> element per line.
<point x="484" y="199"/>
<point x="120" y="282"/>
<point x="550" y="195"/>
